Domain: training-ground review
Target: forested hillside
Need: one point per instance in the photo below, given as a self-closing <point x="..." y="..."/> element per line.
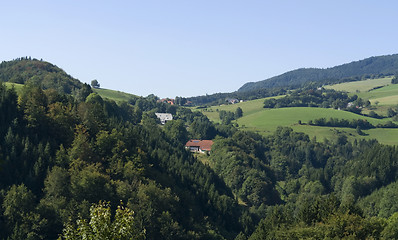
<point x="77" y="166"/>
<point x="38" y="72"/>
<point x="373" y="66"/>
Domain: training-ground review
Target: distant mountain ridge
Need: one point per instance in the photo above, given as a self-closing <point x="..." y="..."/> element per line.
<point x="380" y="65"/>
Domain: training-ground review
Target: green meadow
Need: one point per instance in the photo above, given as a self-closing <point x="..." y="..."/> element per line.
<point x="265" y="121"/>
<point x="116" y="96"/>
<point x="360" y="86"/>
<point x="16" y="86"/>
<point x="248" y="108"/>
<point x="386" y="93"/>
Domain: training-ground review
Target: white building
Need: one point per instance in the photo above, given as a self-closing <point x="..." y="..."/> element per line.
<point x="164" y="117"/>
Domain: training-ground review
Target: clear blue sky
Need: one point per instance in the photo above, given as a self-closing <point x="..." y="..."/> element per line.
<point x="189" y="48"/>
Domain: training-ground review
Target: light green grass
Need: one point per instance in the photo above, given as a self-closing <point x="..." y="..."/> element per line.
<point x="18" y="87"/>
<point x="248" y="108"/>
<point x="117" y="96"/>
<point x="387" y="95"/>
<point x="266" y="122"/>
<point x="383" y="135"/>
<point x="361" y="86"/>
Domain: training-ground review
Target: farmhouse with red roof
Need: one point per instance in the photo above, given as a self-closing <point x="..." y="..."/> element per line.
<point x="201" y="146"/>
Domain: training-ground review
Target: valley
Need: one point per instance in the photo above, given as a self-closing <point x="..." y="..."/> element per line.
<point x="76" y="158"/>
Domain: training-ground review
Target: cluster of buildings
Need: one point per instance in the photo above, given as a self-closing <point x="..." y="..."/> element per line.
<point x="167" y="100"/>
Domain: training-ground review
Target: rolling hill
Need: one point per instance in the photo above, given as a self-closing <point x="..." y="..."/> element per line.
<point x="38" y="72"/>
<point x="373" y="66"/>
<point x="266" y="121"/>
<point x="380" y="92"/>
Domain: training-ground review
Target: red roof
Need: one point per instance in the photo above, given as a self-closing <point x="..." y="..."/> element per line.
<point x="204" y="145"/>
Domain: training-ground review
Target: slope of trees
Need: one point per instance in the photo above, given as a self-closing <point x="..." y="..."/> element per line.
<point x="60" y="155"/>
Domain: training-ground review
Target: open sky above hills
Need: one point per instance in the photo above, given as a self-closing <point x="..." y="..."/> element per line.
<point x="189" y="48"/>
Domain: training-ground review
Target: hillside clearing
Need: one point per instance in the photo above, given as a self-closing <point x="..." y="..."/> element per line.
<point x="116" y="96"/>
<point x="387" y="95"/>
<point x="266" y="122"/>
<point x="18" y="87"/>
<point x="248" y="108"/>
<point x="360" y="86"/>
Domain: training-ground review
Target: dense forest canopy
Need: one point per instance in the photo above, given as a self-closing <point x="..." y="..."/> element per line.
<point x="76" y="166"/>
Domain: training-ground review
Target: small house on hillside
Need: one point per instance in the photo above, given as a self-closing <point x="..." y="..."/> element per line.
<point x="164" y="117"/>
<point x="232" y="100"/>
<point x="201" y="146"/>
<point x="167" y="100"/>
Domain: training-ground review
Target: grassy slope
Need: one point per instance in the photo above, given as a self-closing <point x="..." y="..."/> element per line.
<point x="361" y="86"/>
<point x="17" y="87"/>
<point x="117" y="96"/>
<point x="385" y="96"/>
<point x="248" y="108"/>
<point x="265" y="121"/>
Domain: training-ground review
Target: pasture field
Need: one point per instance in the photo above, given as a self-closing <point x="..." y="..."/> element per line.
<point x="116" y="96"/>
<point x="248" y="108"/>
<point x="272" y="118"/>
<point x="361" y="86"/>
<point x="18" y="87"/>
<point x="265" y="122"/>
<point x="387" y="95"/>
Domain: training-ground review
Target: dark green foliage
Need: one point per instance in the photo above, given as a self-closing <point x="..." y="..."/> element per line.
<point x="95" y="83"/>
<point x="226" y="117"/>
<point x="8" y="108"/>
<point x="239" y="160"/>
<point x="238" y="112"/>
<point x="320" y="218"/>
<point x="176" y="131"/>
<point x="391" y="112"/>
<point x="394" y="80"/>
<point x="373" y="66"/>
<point x="335" y="122"/>
<point x="202" y="128"/>
<point x="22" y="218"/>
